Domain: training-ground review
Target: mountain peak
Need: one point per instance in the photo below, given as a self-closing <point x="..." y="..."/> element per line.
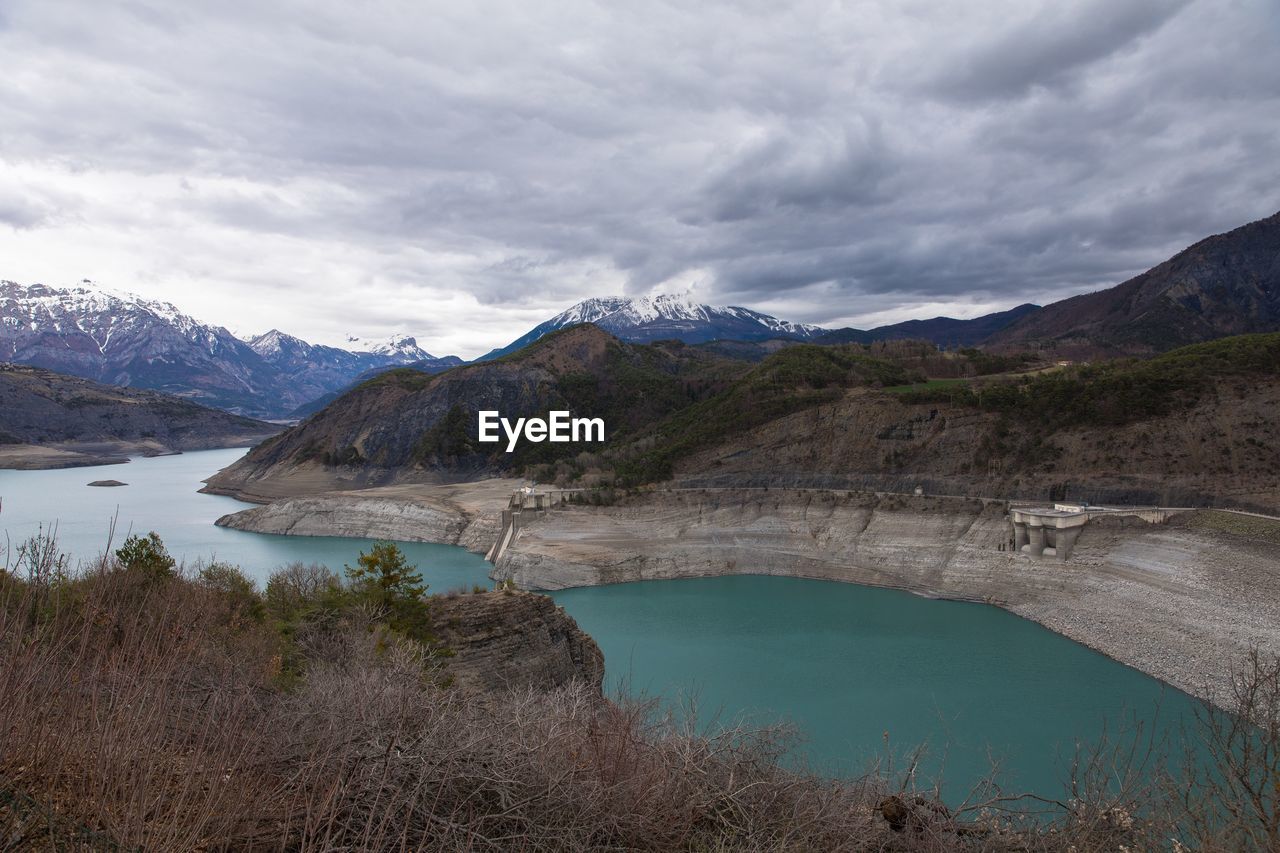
<point x="402" y="348"/>
<point x="123" y="339"/>
<point x="650" y="318"/>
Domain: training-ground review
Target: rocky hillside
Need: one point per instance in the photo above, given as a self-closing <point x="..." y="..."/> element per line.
<point x="405" y="425"/>
<point x="1193" y="426"/>
<point x="665" y="318"/>
<point x="1228" y="284"/>
<point x="73" y="416"/>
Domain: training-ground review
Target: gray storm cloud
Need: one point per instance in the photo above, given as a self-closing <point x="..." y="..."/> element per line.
<point x="462" y="171"/>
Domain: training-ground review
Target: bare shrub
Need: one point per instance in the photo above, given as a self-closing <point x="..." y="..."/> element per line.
<point x="150" y="712"/>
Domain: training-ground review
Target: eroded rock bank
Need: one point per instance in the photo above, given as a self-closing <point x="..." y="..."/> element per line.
<point x="465" y="514"/>
<point x="514" y="640"/>
<point x="1181" y="603"/>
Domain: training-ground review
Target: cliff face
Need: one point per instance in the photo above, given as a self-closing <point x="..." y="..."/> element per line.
<point x="467" y="514"/>
<point x="514" y="640"/>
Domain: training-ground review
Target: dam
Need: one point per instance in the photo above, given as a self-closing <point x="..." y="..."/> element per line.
<point x="1050" y="532"/>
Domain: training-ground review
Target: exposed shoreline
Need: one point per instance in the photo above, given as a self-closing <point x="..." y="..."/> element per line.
<point x="43" y="457"/>
<point x="1176" y="602"/>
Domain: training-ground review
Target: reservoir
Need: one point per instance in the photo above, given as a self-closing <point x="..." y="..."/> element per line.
<point x="861" y="672"/>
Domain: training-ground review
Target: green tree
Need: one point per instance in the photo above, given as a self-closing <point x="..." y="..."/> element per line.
<point x="146" y="554"/>
<point x="385" y="578"/>
<point x="236" y="588"/>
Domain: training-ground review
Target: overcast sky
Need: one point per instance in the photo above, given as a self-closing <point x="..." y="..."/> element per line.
<point x="461" y="171"/>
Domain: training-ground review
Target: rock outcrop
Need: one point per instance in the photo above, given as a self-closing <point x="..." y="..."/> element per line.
<point x="514" y="640"/>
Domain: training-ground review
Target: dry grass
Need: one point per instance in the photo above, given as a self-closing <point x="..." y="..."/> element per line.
<point x="139" y="712"/>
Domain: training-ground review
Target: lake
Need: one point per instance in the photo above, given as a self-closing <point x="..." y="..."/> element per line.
<point x="854" y="668"/>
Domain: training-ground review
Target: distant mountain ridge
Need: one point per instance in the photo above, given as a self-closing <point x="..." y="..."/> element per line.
<point x="943" y="331"/>
<point x="125" y="340"/>
<point x="317" y="371"/>
<point x="76" y="421"/>
<point x="1227" y="284"/>
<point x="665" y="317"/>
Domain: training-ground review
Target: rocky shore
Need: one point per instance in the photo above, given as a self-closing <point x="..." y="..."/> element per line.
<point x="466" y="514"/>
<point x="1182" y="601"/>
<point x="89" y="454"/>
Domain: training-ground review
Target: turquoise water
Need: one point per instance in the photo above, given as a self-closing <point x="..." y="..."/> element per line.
<point x="163" y="496"/>
<point x="865" y="672"/>
<point x="855" y="668"/>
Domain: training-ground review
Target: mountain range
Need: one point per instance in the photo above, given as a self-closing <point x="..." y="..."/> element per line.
<point x="125" y="340"/>
<point x="943" y="331"/>
<point x="841" y="416"/>
<point x="316" y="370"/>
<point x="1224" y="285"/>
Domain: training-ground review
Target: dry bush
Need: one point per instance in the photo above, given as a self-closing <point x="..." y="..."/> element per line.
<point x="125" y="700"/>
<point x="149" y="713"/>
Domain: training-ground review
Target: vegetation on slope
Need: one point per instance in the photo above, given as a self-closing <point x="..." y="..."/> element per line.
<point x="788" y="381"/>
<point x="1118" y="392"/>
<point x="149" y="709"/>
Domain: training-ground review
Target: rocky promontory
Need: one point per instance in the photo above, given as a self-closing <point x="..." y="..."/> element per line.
<point x="514" y="640"/>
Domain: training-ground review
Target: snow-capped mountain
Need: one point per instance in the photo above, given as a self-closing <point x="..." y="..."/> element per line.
<point x="123" y="339"/>
<point x="403" y="349"/>
<point x="317" y="370"/>
<point x="665" y="317"/>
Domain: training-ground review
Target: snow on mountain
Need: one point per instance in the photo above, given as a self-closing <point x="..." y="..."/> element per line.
<point x="320" y="371"/>
<point x="401" y="348"/>
<point x="667" y="316"/>
<point x="123" y="339"/>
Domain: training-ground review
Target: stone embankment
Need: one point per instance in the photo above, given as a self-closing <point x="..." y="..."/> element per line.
<point x="514" y="640"/>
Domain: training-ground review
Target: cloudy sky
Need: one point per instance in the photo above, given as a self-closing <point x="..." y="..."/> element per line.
<point x="461" y="171"/>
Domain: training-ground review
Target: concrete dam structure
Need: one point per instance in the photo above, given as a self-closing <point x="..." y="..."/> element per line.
<point x="1046" y="531"/>
<point x="1051" y="532"/>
